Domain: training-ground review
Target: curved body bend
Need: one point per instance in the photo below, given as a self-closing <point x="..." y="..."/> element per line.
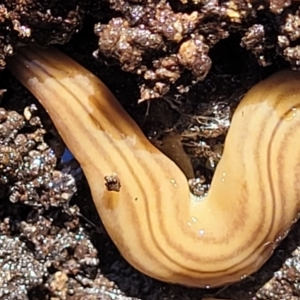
<point x="158" y="227"/>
